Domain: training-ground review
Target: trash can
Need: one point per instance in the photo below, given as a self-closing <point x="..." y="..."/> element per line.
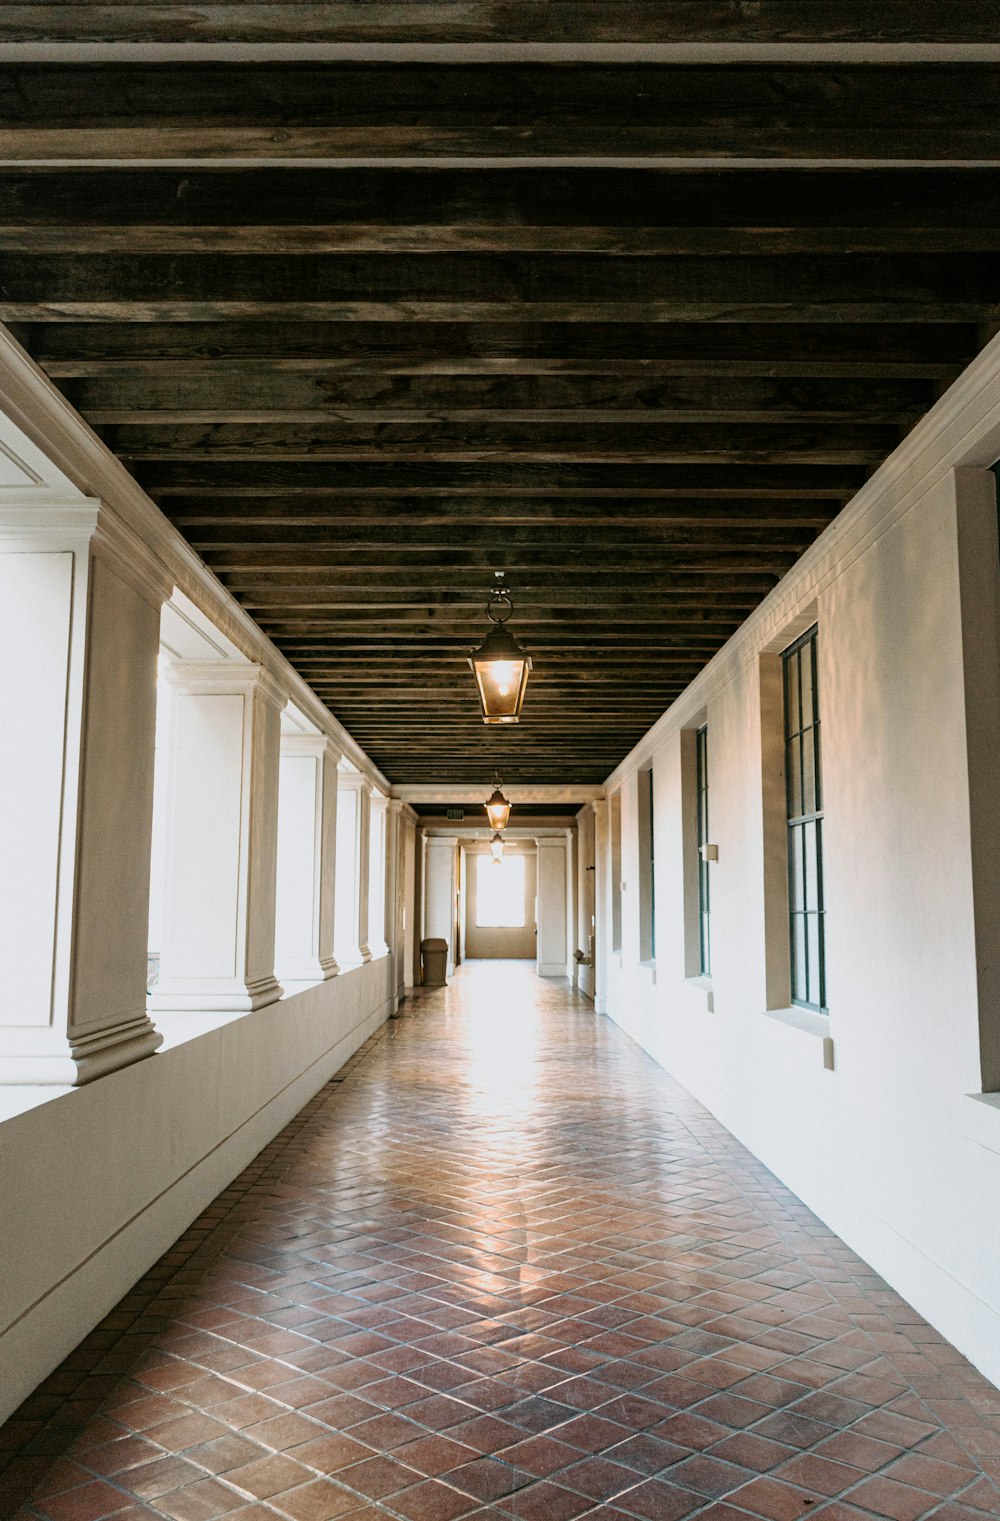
<point x="435" y="959"/>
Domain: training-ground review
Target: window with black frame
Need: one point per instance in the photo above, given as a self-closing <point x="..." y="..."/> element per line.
<point x="804" y="793"/>
<point x="704" y="889"/>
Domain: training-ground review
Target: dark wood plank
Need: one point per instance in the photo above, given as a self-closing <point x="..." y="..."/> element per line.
<point x="638" y="443"/>
<point x="468" y="287"/>
<point x="189" y="512"/>
<point x="437" y="21"/>
<point x="509" y="348"/>
<point x="365" y="110"/>
<point x="253" y="396"/>
<point x="618" y="198"/>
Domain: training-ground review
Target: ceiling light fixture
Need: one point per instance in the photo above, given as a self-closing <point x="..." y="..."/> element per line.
<point x="497" y="807"/>
<point x="496" y="848"/>
<point x="500" y="665"/>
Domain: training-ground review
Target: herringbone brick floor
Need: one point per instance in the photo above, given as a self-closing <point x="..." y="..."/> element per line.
<point x="504" y="1267"/>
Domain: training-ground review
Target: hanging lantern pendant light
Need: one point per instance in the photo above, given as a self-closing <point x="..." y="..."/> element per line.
<point x="497" y="807"/>
<point x="500" y="665"/>
<point x="496" y="848"/>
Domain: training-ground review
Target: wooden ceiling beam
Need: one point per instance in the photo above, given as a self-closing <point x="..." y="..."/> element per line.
<point x="365" y="110"/>
<point x="408" y="401"/>
<point x="478" y="21"/>
<point x="491" y="287"/>
<point x="340" y="511"/>
<point x="387" y="477"/>
<point x="481" y="536"/>
<point x="616" y="196"/>
<point x="846" y="444"/>
<point x="514" y="347"/>
<point x="375" y="238"/>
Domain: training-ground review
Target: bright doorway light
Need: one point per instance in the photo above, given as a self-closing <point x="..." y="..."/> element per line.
<point x="500" y="892"/>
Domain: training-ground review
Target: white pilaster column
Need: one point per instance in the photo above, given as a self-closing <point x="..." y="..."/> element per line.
<point x="222" y="834"/>
<point x="602" y="917"/>
<point x="410" y="900"/>
<point x="552" y="916"/>
<point x="80" y="599"/>
<point x="307" y="855"/>
<point x="377" y="874"/>
<point x="439" y="892"/>
<point x="364" y="864"/>
<point x="393" y="896"/>
<point x="351" y="919"/>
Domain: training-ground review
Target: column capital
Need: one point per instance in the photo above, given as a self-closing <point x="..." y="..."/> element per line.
<point x="395" y="805"/>
<point x="83" y="525"/>
<point x="353" y="781"/>
<point x="131" y="559"/>
<point x="599" y="805"/>
<point x="227" y="676"/>
<point x="320" y="746"/>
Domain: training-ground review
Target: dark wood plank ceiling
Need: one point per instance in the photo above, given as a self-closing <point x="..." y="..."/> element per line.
<point x="370" y="331"/>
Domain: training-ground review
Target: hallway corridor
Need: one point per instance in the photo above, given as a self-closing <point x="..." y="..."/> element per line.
<point x="503" y="1266"/>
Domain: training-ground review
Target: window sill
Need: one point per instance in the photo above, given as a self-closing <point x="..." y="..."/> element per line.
<point x="801" y="1032"/>
<point x="703" y="985"/>
<point x="649" y="967"/>
<point x="982" y="1120"/>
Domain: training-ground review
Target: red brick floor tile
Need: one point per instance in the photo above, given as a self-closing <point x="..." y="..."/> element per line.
<point x="150" y="1480"/>
<point x="225" y="1453"/>
<point x="433" y="1501"/>
<point x="319" y="1500"/>
<point x="431" y="1455"/>
<point x="886" y="1497"/>
<point x="546" y="1501"/>
<point x="600" y="1478"/>
<point x="89" y="1502"/>
<point x="708" y="1476"/>
<point x="377" y="1477"/>
<point x="282" y="1431"/>
<point x="747" y="1449"/>
<point x="329" y="1454"/>
<point x="200" y="1502"/>
<point x="269" y="1476"/>
<point x="810" y="1471"/>
<point x="773" y="1499"/>
<point x="540" y="1455"/>
<point x="656" y="1500"/>
<point x="489" y="1479"/>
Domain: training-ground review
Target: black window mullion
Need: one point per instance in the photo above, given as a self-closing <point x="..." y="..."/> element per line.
<point x="805" y="829"/>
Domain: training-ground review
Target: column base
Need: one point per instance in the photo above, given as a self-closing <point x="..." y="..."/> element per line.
<point x="352" y="956"/>
<point x="72" y="1062"/>
<point x="308" y="973"/>
<point x="241" y="998"/>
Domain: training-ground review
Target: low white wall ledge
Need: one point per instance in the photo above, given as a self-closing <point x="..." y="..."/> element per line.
<point x="802" y="1032"/>
<point x="982" y="1119"/>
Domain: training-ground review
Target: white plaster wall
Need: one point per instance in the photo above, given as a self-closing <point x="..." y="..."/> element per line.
<point x="887" y="1148"/>
<point x="96" y="1183"/>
